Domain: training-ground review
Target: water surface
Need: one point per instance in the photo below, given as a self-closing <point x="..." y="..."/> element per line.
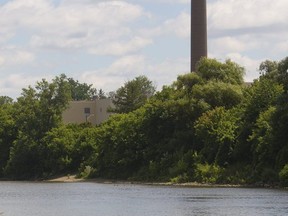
<point x="84" y="199"/>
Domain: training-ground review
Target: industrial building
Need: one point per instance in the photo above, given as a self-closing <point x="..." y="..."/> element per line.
<point x="94" y="111"/>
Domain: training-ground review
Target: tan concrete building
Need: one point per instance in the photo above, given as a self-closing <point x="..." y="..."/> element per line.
<point x="95" y="111"/>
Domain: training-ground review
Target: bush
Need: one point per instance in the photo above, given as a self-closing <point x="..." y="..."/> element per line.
<point x="87" y="172"/>
<point x="180" y="179"/>
<point x="206" y="173"/>
<point x="238" y="174"/>
<point x="269" y="176"/>
<point x="283" y="175"/>
<point x="179" y="168"/>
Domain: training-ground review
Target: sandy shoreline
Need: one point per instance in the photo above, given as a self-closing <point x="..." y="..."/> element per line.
<point x="73" y="179"/>
<point x="68" y="178"/>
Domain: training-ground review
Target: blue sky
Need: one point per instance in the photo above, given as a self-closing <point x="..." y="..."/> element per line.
<point x="106" y="43"/>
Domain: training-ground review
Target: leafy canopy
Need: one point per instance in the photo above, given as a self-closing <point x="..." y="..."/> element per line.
<point x="133" y="94"/>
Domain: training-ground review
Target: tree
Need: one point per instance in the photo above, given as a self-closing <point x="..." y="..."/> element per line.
<point x="37" y="111"/>
<point x="217" y="94"/>
<point x="185" y="83"/>
<point x="7" y="135"/>
<point x="228" y="72"/>
<point x="262" y="143"/>
<point x="283" y="73"/>
<point x="58" y="146"/>
<point x="276" y="71"/>
<point x="260" y="96"/>
<point x="263" y="94"/>
<point x="284" y="176"/>
<point x="280" y="135"/>
<point x="101" y="94"/>
<point x="120" y="144"/>
<point x="268" y="69"/>
<point x="81" y="91"/>
<point x="217" y="130"/>
<point x="5" y="100"/>
<point x="133" y="94"/>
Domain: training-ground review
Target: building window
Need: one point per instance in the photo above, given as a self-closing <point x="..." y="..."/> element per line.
<point x="87" y="110"/>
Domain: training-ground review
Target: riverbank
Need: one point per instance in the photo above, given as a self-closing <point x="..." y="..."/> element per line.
<point x="66" y="179"/>
<point x="74" y="179"/>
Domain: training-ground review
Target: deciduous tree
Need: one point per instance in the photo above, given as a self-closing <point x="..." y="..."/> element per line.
<point x="133" y="94"/>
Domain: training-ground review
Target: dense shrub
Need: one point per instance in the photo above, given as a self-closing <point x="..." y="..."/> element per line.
<point x="283" y="175"/>
<point x="207" y="127"/>
<point x="207" y="173"/>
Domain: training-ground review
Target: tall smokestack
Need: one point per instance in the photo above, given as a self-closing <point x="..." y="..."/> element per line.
<point x="198" y="32"/>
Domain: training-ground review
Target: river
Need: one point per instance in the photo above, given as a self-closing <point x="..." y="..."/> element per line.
<point x="94" y="199"/>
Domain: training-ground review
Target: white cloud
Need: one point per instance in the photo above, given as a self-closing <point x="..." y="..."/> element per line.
<point x="231" y="14"/>
<point x="129" y="36"/>
<point x="178" y="26"/>
<point x="44" y="16"/>
<point x="73" y="25"/>
<point x="12" y="56"/>
<point x="122" y="68"/>
<point x="281" y="46"/>
<point x="170" y="1"/>
<point x="12" y="84"/>
<point x="2" y="60"/>
<point x="227" y="44"/>
<point x="238" y="43"/>
<point x="250" y="65"/>
<point x="128" y="67"/>
<point x="5" y="35"/>
<point x="166" y="72"/>
<point x="121" y="48"/>
<point x="248" y="32"/>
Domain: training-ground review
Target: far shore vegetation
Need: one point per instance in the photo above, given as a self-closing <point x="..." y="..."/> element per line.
<point x="208" y="126"/>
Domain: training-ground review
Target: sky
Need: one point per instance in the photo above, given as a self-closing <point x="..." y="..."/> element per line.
<point x="109" y="42"/>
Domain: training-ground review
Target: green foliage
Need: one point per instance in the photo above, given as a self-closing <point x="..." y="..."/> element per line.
<point x="7" y="135"/>
<point x="283" y="175"/>
<point x="36" y="112"/>
<point x="268" y="69"/>
<point x="133" y="94"/>
<point x="263" y="94"/>
<point x="208" y="173"/>
<point x="283" y="75"/>
<point x="217" y="131"/>
<point x="40" y="109"/>
<point x="238" y="174"/>
<point x="5" y="100"/>
<point x="58" y="146"/>
<point x="262" y="139"/>
<point x="269" y="176"/>
<point x="25" y="159"/>
<point x="185" y="83"/>
<point x="81" y="91"/>
<point x="121" y="144"/>
<point x="216" y="94"/>
<point x="213" y="70"/>
<point x="86" y="147"/>
<point x="180" y="178"/>
<point x="207" y="127"/>
<point x="87" y="172"/>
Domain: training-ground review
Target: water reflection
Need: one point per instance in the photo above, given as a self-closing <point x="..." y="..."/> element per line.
<point x="83" y="199"/>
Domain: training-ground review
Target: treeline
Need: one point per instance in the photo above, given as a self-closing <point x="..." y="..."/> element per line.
<point x="208" y="126"/>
